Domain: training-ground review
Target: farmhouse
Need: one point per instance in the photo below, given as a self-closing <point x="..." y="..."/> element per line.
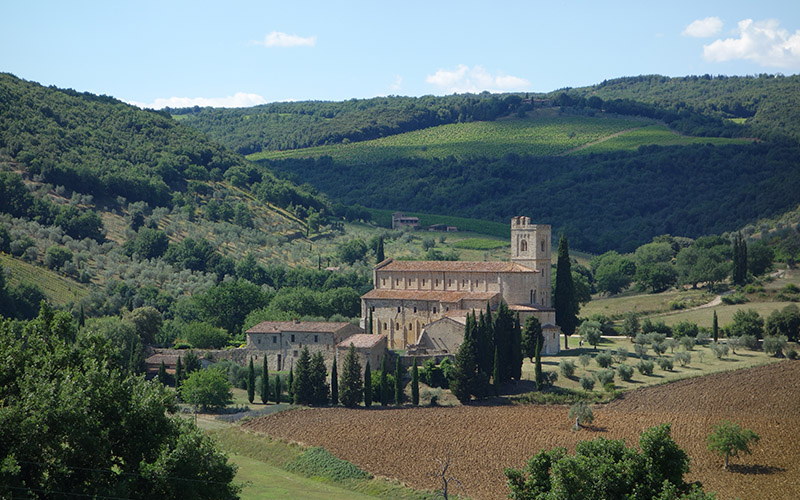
<point x="282" y="341"/>
<point x="368" y="347"/>
<point x="400" y="220"/>
<point x="410" y="296"/>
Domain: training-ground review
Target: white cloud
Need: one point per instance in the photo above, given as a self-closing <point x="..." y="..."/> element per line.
<point x="703" y="28"/>
<point x="238" y="100"/>
<point x="397" y="84"/>
<point x="475" y="79"/>
<point x="763" y="42"/>
<point x="278" y="39"/>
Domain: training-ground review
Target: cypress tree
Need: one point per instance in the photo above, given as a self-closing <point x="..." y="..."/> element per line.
<point x="715" y="327"/>
<point x="367" y="386"/>
<point x="463" y="374"/>
<point x="290" y="384"/>
<point x="503" y="333"/>
<point x="251" y="382"/>
<point x="178" y="373"/>
<point x="379" y="255"/>
<point x="384" y="384"/>
<point x="278" y="389"/>
<point x="369" y="327"/>
<point x="81" y="318"/>
<point x="303" y="388"/>
<point x="566" y="305"/>
<point x="352" y="388"/>
<point x="415" y="384"/>
<point x="516" y="350"/>
<point x="496" y="375"/>
<point x="319" y="383"/>
<point x="162" y="373"/>
<point x="335" y="383"/>
<point x="538" y="365"/>
<point x="265" y="382"/>
<point x="398" y="383"/>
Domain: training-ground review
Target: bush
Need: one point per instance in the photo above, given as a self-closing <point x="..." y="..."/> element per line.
<point x="621" y="355"/>
<point x="584" y="360"/>
<point x="734" y="298"/>
<point x="645" y="367"/>
<point x="587" y="382"/>
<point x="320" y="463"/>
<point x="684" y="329"/>
<point x="581" y="413"/>
<point x="749" y="341"/>
<point x="641" y="350"/>
<point x="775" y="344"/>
<point x="687" y="343"/>
<point x="659" y="348"/>
<point x="567" y="368"/>
<point x="209" y="389"/>
<point x="703" y="337"/>
<point x="604" y="359"/>
<point x="719" y="350"/>
<point x="625" y="372"/>
<point x="205" y="336"/>
<point x="791" y="354"/>
<point x="665" y="364"/>
<point x="605" y="376"/>
<point x="684" y="358"/>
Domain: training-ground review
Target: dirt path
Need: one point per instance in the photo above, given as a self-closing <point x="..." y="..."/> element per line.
<point x="598" y="141"/>
<point x="482" y="440"/>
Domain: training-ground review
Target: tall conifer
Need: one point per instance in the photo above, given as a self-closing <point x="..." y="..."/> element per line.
<point x="335" y="383"/>
<point x="367" y="386"/>
<point x="384" y="395"/>
<point x="290" y="384"/>
<point x="178" y="373"/>
<point x="415" y="384"/>
<point x="352" y="384"/>
<point x="379" y="256"/>
<point x="496" y="375"/>
<point x="566" y="305"/>
<point x="264" y="382"/>
<point x="251" y="382"/>
<point x="398" y="382"/>
<point x="715" y="327"/>
<point x="278" y="389"/>
<point x="516" y="350"/>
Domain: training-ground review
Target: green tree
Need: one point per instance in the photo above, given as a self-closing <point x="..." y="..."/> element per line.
<point x="147" y="321"/>
<point x="302" y="387"/>
<point x="463" y="375"/>
<point x="352" y="385"/>
<point x="55" y="257"/>
<point x="319" y="383"/>
<point x="265" y="382"/>
<point x="746" y="322"/>
<point x="228" y="304"/>
<point x="630" y="324"/>
<point x="582" y="413"/>
<point x="399" y="374"/>
<point x="785" y="322"/>
<point x="415" y="384"/>
<point x="566" y="305"/>
<point x="653" y="268"/>
<point x="290" y="384"/>
<point x="178" y="373"/>
<point x="209" y="389"/>
<point x="379" y="252"/>
<point x="496" y="379"/>
<point x="278" y="389"/>
<point x="759" y="257"/>
<point x="728" y="439"/>
<point x="335" y="384"/>
<point x="590" y="332"/>
<point x="613" y="273"/>
<point x="537" y="366"/>
<point x="162" y="374"/>
<point x="367" y="386"/>
<point x="516" y="350"/>
<point x="251" y="381"/>
<point x="715" y="328"/>
<point x="531" y="335"/>
<point x="384" y="384"/>
<point x="351" y="251"/>
<point x="739" y="259"/>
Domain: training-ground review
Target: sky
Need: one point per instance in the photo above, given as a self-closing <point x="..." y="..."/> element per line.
<point x="243" y="53"/>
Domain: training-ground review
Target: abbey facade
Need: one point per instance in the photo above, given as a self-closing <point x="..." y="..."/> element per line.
<point x="410" y="295"/>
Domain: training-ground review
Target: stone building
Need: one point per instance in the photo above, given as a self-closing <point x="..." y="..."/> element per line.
<point x="368" y="347"/>
<point x="410" y="295"/>
<point x="282" y="341"/>
<point x="401" y="220"/>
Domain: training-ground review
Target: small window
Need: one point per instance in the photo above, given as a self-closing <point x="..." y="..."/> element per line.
<point x="385" y="327"/>
<point x="542" y="245"/>
<point x="275" y="339"/>
<point x="316" y="338"/>
<point x="373" y="308"/>
<point x="292" y="338"/>
<point x="294" y="353"/>
<point x="409" y="281"/>
<point x="397" y="326"/>
<point x="449" y="282"/>
<point x="411" y="326"/>
<point x="523" y="246"/>
<point x="446" y="308"/>
<point x="415" y="309"/>
<point x="383" y="281"/>
<point x="434" y="310"/>
<point x="259" y="341"/>
<point x="397" y="282"/>
<point x="423" y="282"/>
<point x="398" y="309"/>
<point x="437" y="282"/>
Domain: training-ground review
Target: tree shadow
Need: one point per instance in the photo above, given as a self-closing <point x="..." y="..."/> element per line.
<point x="755" y="469"/>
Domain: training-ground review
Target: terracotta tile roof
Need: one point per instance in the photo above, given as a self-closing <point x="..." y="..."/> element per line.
<point x="452" y="266"/>
<point x="303" y="326"/>
<point x="429" y="295"/>
<point x="361" y="341"/>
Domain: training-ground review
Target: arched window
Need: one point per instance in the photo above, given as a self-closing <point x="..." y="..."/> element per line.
<point x="523" y="246"/>
<point x="542" y="245"/>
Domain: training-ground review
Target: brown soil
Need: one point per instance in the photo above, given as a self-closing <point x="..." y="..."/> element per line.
<point x="482" y="440"/>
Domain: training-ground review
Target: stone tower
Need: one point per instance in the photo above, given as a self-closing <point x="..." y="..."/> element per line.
<point x="530" y="244"/>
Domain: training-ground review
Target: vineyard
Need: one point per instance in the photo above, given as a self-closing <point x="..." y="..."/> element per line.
<point x="482" y="440"/>
<point x="537" y="136"/>
<point x="658" y="135"/>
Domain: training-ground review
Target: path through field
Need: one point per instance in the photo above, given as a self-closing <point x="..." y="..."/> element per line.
<point x="482" y="440"/>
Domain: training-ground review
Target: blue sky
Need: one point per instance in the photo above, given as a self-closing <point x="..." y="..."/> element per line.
<point x="249" y="52"/>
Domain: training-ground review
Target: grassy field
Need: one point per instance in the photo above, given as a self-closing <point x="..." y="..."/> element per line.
<point x="58" y="289"/>
<point x="659" y="135"/>
<point x="538" y="135"/>
<point x="643" y="303"/>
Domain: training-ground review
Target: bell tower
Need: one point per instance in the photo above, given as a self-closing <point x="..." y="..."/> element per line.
<point x="530" y="244"/>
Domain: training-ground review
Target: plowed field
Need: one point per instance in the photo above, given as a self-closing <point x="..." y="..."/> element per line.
<point x="482" y="440"/>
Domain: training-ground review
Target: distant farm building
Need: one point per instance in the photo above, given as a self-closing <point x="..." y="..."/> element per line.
<point x="368" y="347"/>
<point x="399" y="221"/>
<point x="444" y="228"/>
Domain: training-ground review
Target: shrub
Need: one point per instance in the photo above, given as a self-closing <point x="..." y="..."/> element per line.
<point x="641" y="350"/>
<point x="605" y="376"/>
<point x="621" y="355"/>
<point x="671" y="344"/>
<point x="684" y="358"/>
<point x="204" y="336"/>
<point x="749" y="341"/>
<point x="567" y="368"/>
<point x="791" y="354"/>
<point x="703" y="337"/>
<point x="625" y="372"/>
<point x="207" y="388"/>
<point x="584" y="360"/>
<point x="604" y="359"/>
<point x="775" y="344"/>
<point x="665" y="364"/>
<point x="659" y="348"/>
<point x="581" y="413"/>
<point x="587" y="382"/>
<point x="687" y="343"/>
<point x="684" y="329"/>
<point x="549" y="378"/>
<point x="719" y="350"/>
<point x="734" y="298"/>
<point x="645" y="367"/>
<point x="319" y="462"/>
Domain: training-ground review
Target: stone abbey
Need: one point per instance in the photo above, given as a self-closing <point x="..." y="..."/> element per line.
<point x="410" y="296"/>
